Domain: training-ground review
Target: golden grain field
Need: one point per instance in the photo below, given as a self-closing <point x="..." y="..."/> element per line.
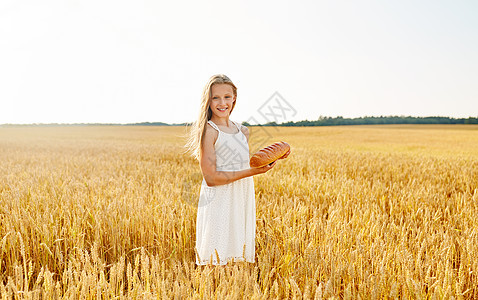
<point x="358" y="212"/>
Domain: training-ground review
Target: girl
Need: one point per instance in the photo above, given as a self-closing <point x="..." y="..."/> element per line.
<point x="226" y="216"/>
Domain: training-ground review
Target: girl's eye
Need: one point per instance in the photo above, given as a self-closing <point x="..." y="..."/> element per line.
<point x="228" y="96"/>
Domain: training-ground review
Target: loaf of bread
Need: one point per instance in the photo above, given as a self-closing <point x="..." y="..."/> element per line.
<point x="269" y="154"/>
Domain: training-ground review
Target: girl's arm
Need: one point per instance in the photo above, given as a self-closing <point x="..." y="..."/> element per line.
<point x="208" y="164"/>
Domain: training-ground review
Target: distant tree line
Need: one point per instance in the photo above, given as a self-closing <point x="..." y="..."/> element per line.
<point x="335" y="121"/>
<point x="321" y="121"/>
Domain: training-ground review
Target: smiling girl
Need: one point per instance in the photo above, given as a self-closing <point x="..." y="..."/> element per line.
<point x="226" y="216"/>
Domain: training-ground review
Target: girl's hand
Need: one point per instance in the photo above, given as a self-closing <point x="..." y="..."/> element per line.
<point x="265" y="168"/>
<point x="285" y="155"/>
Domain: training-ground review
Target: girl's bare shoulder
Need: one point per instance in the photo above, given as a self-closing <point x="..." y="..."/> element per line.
<point x="210" y="134"/>
<point x="245" y="130"/>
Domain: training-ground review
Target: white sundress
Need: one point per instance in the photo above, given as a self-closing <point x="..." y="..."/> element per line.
<point x="226" y="216"/>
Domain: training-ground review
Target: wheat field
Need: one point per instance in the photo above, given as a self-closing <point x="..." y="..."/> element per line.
<point x="357" y="212"/>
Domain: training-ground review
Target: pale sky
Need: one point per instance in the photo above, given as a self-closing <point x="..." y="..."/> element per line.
<point x="147" y="61"/>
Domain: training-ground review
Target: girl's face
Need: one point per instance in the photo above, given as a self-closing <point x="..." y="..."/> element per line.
<point x="222" y="99"/>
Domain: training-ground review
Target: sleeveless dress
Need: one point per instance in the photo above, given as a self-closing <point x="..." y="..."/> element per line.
<point x="226" y="216"/>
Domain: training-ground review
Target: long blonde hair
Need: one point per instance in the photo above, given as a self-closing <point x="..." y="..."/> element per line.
<point x="197" y="129"/>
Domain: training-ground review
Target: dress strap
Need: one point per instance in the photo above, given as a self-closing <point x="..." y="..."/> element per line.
<point x="213" y="125"/>
<point x="217" y="128"/>
<point x="239" y="126"/>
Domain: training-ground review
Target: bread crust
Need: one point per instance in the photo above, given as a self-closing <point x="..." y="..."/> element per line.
<point x="269" y="154"/>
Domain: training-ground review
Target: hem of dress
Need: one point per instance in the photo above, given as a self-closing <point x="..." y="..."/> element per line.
<point x="223" y="262"/>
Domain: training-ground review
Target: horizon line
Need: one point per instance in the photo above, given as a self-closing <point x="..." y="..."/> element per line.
<point x="158" y="123"/>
